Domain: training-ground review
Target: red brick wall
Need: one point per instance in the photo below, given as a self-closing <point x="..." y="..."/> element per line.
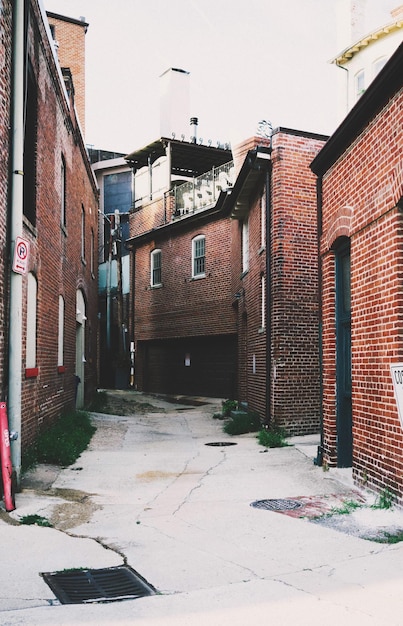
<point x="70" y="37"/>
<point x="55" y="257"/>
<point x="295" y="401"/>
<point x="5" y="78"/>
<point x="360" y="196"/>
<point x="183" y="306"/>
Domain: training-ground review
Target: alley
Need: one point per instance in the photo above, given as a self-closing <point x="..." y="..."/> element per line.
<point x="149" y="492"/>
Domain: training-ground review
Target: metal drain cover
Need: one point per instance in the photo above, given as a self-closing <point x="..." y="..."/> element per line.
<point x="221" y="443"/>
<point x="97" y="585"/>
<point x="277" y="505"/>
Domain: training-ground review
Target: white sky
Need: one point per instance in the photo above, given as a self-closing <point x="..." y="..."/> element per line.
<point x="248" y="60"/>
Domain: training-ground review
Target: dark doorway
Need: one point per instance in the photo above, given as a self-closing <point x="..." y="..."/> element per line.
<point x="343" y="356"/>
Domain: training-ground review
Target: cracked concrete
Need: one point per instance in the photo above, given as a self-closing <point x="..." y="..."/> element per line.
<point x="148" y="492"/>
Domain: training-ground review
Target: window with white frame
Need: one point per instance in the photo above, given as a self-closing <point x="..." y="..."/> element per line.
<point x="60" y="341"/>
<point x="82" y="233"/>
<point x="156" y="268"/>
<point x="263" y="219"/>
<point x="92" y="252"/>
<point x="32" y="289"/>
<point x="198" y="256"/>
<point x="63" y="192"/>
<point x="359" y="83"/>
<point x="378" y="65"/>
<point x="245" y="245"/>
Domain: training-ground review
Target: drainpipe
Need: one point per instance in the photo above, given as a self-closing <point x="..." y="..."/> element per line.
<point x="268" y="291"/>
<point x="319" y="458"/>
<point x="15" y="225"/>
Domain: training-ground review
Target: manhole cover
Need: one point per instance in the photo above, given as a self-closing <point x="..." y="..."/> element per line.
<point x="221" y="443"/>
<point x="277" y="505"/>
<point x="97" y="585"/>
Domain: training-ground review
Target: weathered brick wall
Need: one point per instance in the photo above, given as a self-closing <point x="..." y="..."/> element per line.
<point x="295" y="298"/>
<point x="294" y="379"/>
<point x="184" y="306"/>
<point x="70" y="36"/>
<point x="56" y="259"/>
<point x="5" y="81"/>
<point x="360" y="196"/>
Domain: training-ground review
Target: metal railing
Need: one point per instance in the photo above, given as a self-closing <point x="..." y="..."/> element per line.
<point x="203" y="191"/>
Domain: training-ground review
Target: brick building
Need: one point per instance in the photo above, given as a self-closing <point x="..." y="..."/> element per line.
<point x="69" y="37"/>
<point x="184" y="321"/>
<point x="360" y="178"/>
<point x="274" y="269"/>
<point x="52" y="327"/>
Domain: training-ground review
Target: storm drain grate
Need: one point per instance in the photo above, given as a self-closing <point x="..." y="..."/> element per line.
<point x="97" y="585"/>
<point x="277" y="505"/>
<point x="221" y="443"/>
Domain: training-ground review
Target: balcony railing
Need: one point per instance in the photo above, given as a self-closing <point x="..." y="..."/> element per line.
<point x="203" y="191"/>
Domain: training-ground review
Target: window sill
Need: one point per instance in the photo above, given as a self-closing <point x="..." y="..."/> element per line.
<point x="244" y="274"/>
<point x="31" y="372"/>
<point x="157" y="286"/>
<point x="261" y="330"/>
<point x="198" y="277"/>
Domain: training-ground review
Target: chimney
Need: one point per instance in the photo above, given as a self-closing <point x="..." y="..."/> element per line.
<point x="174" y="103"/>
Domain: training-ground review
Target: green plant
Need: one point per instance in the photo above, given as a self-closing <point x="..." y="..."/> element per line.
<point x="63" y="442"/>
<point x="348" y="507"/>
<point x="390" y="537"/>
<point x="36" y="520"/>
<point x="273" y="437"/>
<point x="242" y="423"/>
<point x="385" y="500"/>
<point x="228" y="406"/>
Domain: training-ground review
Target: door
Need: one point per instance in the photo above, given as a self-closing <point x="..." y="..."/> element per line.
<point x="343" y="357"/>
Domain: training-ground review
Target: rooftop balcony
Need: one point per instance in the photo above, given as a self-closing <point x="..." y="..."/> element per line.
<point x="201" y="192"/>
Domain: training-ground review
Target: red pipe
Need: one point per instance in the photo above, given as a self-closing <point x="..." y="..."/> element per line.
<point x="5" y="455"/>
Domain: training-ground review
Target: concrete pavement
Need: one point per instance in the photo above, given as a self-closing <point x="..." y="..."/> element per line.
<point x="149" y="492"/>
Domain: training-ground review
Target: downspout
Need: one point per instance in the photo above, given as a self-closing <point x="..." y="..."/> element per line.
<point x="319" y="458"/>
<point x="16" y="229"/>
<point x="268" y="292"/>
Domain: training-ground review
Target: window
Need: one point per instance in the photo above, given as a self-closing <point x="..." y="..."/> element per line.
<point x="30" y="357"/>
<point x="263" y="220"/>
<point x="245" y="245"/>
<point x="30" y="138"/>
<point x="60" y="340"/>
<point x="63" y="192"/>
<point x="359" y="84"/>
<point x="156" y="268"/>
<point x="378" y="65"/>
<point x="82" y="233"/>
<point x="198" y="256"/>
<point x="263" y="300"/>
<point x="92" y="251"/>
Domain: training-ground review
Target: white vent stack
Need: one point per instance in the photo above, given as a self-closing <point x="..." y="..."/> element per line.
<point x="193" y="129"/>
<point x="174" y="103"/>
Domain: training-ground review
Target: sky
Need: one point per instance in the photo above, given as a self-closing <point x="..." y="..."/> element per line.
<point x="248" y="60"/>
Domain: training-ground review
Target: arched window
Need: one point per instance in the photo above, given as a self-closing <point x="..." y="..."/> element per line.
<point x="32" y="289"/>
<point x="60" y="339"/>
<point x="156" y="268"/>
<point x="199" y="256"/>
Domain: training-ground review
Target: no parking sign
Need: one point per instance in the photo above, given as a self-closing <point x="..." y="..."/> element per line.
<point x="21" y="254"/>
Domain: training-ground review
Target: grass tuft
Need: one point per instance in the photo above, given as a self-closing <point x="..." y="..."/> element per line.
<point x="273" y="437"/>
<point x="242" y="423"/>
<point x="63" y="442"/>
<point x="34" y="519"/>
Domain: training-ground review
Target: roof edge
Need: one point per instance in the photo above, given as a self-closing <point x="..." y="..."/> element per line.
<point x="384" y="86"/>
